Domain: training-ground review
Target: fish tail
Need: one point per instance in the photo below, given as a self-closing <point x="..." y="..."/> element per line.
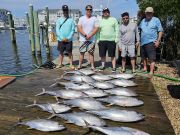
<point x="43" y="92"/>
<point x="31" y="105"/>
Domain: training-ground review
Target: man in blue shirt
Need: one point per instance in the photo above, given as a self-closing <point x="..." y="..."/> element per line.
<point x="151" y="34"/>
<point x="65" y="28"/>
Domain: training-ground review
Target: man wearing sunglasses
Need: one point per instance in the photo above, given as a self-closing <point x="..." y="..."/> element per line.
<point x="107" y="37"/>
<point x="87" y="27"/>
<point x="65" y="28"/>
<point x="151" y="34"/>
<point x="128" y="34"/>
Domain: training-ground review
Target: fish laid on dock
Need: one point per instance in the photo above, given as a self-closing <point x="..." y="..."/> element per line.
<point x="43" y="125"/>
<point x="122" y="76"/>
<point x="103" y="85"/>
<point x="101" y="77"/>
<point x="122" y="101"/>
<point x="118" y="115"/>
<point x="58" y="108"/>
<point x="79" y="79"/>
<point x="121" y="92"/>
<point x="119" y="130"/>
<point x="79" y="118"/>
<point x="95" y="93"/>
<point x="85" y="103"/>
<point x="123" y="83"/>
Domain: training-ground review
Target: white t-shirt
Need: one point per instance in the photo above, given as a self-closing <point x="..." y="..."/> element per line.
<point x="88" y="25"/>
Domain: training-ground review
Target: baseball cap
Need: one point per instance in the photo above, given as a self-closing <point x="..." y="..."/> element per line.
<point x="149" y="9"/>
<point x="106" y="10"/>
<point x="89" y="7"/>
<point x="65" y="8"/>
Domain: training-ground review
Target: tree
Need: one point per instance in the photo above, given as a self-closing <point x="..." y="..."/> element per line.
<point x="169" y="14"/>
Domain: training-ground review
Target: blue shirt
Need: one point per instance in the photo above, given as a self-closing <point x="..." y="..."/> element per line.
<point x="149" y="30"/>
<point x="66" y="30"/>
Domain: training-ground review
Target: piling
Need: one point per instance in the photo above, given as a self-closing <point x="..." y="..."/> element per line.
<point x="31" y="22"/>
<point x="12" y="29"/>
<point x="46" y="30"/>
<point x="37" y="35"/>
<point x="28" y="27"/>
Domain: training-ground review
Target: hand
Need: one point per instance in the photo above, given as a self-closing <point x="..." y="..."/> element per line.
<point x="88" y="37"/>
<point x="156" y="43"/>
<point x="65" y="40"/>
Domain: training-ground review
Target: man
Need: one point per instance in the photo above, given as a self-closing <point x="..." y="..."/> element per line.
<point x="107" y="37"/>
<point x="151" y="34"/>
<point x="128" y="34"/>
<point x="65" y="28"/>
<point x="87" y="27"/>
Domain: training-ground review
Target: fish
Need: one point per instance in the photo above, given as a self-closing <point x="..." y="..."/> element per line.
<point x="119" y="130"/>
<point x="122" y="76"/>
<point x="79" y="118"/>
<point x="43" y="125"/>
<point x="103" y="85"/>
<point x="64" y="94"/>
<point x="101" y="77"/>
<point x="95" y="93"/>
<point x="87" y="71"/>
<point x="122" y="101"/>
<point x="58" y="108"/>
<point x="122" y="92"/>
<point x="85" y="103"/>
<point x="79" y="79"/>
<point x="118" y="115"/>
<point x="123" y="83"/>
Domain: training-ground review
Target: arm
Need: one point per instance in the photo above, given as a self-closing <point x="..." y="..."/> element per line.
<point x="116" y="31"/>
<point x="72" y="31"/>
<point x="137" y="36"/>
<point x="119" y="42"/>
<point x="160" y="33"/>
<point x="94" y="31"/>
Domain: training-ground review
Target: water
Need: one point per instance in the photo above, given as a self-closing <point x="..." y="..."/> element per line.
<point x="18" y="59"/>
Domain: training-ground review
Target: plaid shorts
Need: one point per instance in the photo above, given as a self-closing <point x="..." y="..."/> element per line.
<point x="87" y="46"/>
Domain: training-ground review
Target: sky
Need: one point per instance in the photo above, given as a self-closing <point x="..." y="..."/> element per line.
<point x="19" y="7"/>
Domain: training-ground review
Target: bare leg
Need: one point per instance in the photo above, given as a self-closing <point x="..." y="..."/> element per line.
<point x="133" y="64"/>
<point x="91" y="59"/>
<point x="113" y="62"/>
<point x="145" y="64"/>
<point x="103" y="61"/>
<point x="70" y="59"/>
<point x="81" y="57"/>
<point x="61" y="56"/>
<point x="123" y="63"/>
<point x="152" y="65"/>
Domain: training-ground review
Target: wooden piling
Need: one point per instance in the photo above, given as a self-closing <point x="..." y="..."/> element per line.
<point x="37" y="35"/>
<point x="12" y="29"/>
<point x="31" y="22"/>
<point x="28" y="27"/>
<point x="46" y="30"/>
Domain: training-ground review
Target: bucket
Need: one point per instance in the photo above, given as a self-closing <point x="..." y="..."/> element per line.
<point x="174" y="91"/>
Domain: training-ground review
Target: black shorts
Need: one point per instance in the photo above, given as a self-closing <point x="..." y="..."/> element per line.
<point x="109" y="46"/>
<point x="64" y="46"/>
<point x="148" y="51"/>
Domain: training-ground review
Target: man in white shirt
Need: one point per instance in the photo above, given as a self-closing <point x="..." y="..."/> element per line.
<point x="87" y="27"/>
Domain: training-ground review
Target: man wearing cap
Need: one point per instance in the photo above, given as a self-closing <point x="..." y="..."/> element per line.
<point x="151" y="34"/>
<point x="107" y="37"/>
<point x="128" y="33"/>
<point x="65" y="28"/>
<point x="87" y="27"/>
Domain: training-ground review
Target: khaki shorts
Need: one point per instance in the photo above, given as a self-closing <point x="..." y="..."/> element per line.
<point x="128" y="50"/>
<point x="87" y="46"/>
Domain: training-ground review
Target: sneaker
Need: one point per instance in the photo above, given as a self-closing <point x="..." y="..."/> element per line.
<point x="113" y="70"/>
<point x="101" y="68"/>
<point x="133" y="71"/>
<point x="93" y="69"/>
<point x="123" y="70"/>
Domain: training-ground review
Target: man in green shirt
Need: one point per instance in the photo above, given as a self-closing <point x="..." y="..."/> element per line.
<point x="107" y="37"/>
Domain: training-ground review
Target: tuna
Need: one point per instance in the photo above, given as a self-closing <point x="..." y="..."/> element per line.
<point x="101" y="77"/>
<point x="43" y="125"/>
<point x="118" y="115"/>
<point x="95" y="93"/>
<point x="122" y="101"/>
<point x="58" y="108"/>
<point x="103" y="85"/>
<point x="79" y="79"/>
<point x="121" y="92"/>
<point x="122" y="76"/>
<point x="123" y="83"/>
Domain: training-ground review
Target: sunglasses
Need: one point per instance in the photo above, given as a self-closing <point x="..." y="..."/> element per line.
<point x="89" y="9"/>
<point x="125" y="18"/>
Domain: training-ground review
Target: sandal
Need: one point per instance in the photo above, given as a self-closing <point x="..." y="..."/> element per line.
<point x="123" y="70"/>
<point x="78" y="68"/>
<point x="93" y="69"/>
<point x="72" y="67"/>
<point x="59" y="66"/>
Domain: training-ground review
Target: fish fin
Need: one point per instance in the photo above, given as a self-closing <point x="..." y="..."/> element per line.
<point x="54" y="84"/>
<point x="109" y="104"/>
<point x="50" y="117"/>
<point x="43" y="92"/>
<point x="34" y="104"/>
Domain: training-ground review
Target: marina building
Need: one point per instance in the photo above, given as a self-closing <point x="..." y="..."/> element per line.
<point x="3" y="18"/>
